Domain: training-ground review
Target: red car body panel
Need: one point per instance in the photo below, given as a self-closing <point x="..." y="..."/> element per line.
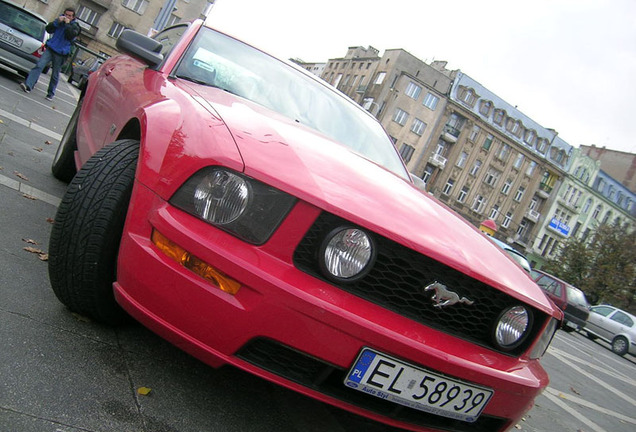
<point x="185" y="127"/>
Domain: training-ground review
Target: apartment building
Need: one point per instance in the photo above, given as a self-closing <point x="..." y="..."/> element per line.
<point x="618" y="164"/>
<point x="102" y="21"/>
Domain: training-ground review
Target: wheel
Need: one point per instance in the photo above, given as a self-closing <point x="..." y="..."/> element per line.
<point x="620" y="345"/>
<point x="87" y="232"/>
<point x="63" y="167"/>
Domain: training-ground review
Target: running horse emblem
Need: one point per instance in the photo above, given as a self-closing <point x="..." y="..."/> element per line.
<point x="443" y="297"/>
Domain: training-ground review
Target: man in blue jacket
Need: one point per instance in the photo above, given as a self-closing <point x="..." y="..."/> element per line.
<point x="64" y="30"/>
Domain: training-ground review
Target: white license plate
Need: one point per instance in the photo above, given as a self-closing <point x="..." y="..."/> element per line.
<point x="9" y="38"/>
<point x="387" y="378"/>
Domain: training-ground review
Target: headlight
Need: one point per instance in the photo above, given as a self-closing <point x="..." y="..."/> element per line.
<point x="238" y="204"/>
<point x="512" y="327"/>
<point x="346" y="254"/>
<point x="544" y="341"/>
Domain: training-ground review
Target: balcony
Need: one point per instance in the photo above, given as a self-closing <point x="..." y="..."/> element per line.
<point x="544" y="190"/>
<point x="87" y="29"/>
<point x="437" y="160"/>
<point x="533" y="215"/>
<point x="568" y="205"/>
<point x="450" y="134"/>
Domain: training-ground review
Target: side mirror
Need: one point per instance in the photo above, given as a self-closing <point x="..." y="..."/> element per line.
<point x="142" y="47"/>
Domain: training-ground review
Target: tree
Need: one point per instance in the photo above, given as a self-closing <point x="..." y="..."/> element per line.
<point x="604" y="266"/>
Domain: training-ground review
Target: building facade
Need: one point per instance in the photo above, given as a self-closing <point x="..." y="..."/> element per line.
<point x="102" y="21"/>
<point x="619" y="165"/>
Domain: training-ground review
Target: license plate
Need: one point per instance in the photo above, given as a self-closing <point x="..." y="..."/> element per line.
<point x="9" y="38"/>
<point x="385" y="377"/>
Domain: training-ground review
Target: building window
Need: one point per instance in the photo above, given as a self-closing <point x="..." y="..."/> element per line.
<point x="506" y="187"/>
<point x="485" y="108"/>
<point x="542" y="144"/>
<point x="380" y="78"/>
<point x="116" y="29"/>
<point x="479" y="203"/>
<point x="87" y="15"/>
<point x="587" y="205"/>
<point x="474" y="133"/>
<point x="407" y="152"/>
<point x="337" y="81"/>
<point x="519" y="194"/>
<point x="367" y="103"/>
<point x="521" y="229"/>
<point x="494" y="212"/>
<point x="467" y="96"/>
<point x="463" y="194"/>
<point x="499" y="117"/>
<point x="430" y="101"/>
<point x="487" y="142"/>
<point x="531" y="168"/>
<point x="428" y="171"/>
<point x="413" y="90"/>
<point x="492" y="176"/>
<point x="597" y="211"/>
<point x="507" y="220"/>
<point x="504" y="152"/>
<point x="461" y="161"/>
<point x="418" y="126"/>
<point x="448" y="187"/>
<point x="400" y="116"/>
<point x="475" y="168"/>
<point x="529" y="137"/>
<point x="138" y="6"/>
<point x="518" y="161"/>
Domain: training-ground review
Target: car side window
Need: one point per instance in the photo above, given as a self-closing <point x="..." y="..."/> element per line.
<point x="169" y="38"/>
<point x="622" y="318"/>
<point x="550" y="285"/>
<point x="602" y="310"/>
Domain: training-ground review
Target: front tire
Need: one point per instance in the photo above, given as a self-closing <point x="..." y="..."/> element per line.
<point x="63" y="167"/>
<point x="620" y="345"/>
<point x="87" y="232"/>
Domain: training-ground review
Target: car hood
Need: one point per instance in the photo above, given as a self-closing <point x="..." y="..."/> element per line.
<point x="330" y="176"/>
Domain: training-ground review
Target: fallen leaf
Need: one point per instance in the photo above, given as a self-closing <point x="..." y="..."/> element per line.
<point x="20" y="175"/>
<point x="1" y="122"/>
<point x="144" y="391"/>
<point x="43" y="256"/>
<point x="47" y="142"/>
<point x="31" y="197"/>
<point x="30" y="241"/>
<point x="574" y="391"/>
<point x="50" y="220"/>
<point x="10" y="153"/>
<point x="33" y="250"/>
<point x="38" y="149"/>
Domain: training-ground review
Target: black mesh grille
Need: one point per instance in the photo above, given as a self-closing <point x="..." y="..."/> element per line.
<point x="327" y="379"/>
<point x="397" y="280"/>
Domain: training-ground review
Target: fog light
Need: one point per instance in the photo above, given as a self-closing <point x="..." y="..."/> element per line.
<point x="346" y="254"/>
<point x="194" y="264"/>
<point x="512" y="327"/>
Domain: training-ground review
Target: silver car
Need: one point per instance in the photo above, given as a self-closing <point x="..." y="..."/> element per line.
<point x="22" y="37"/>
<point x="614" y="326"/>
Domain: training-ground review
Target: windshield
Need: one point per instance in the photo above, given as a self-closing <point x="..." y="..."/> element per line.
<point x="576" y="296"/>
<point x="217" y="60"/>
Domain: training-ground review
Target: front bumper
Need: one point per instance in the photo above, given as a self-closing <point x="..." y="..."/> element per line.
<point x="291" y="328"/>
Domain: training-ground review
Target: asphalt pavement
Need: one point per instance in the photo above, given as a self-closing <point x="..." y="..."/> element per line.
<point x="60" y="372"/>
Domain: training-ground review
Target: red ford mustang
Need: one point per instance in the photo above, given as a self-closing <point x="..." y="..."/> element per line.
<point x="253" y="216"/>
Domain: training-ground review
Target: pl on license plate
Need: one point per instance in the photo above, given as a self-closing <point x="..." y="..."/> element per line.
<point x="387" y="378"/>
<point x="9" y="38"/>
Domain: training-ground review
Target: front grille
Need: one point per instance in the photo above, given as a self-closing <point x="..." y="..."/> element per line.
<point x="397" y="280"/>
<point x="328" y="379"/>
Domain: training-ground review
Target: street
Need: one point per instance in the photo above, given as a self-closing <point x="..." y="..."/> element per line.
<point x="60" y="372"/>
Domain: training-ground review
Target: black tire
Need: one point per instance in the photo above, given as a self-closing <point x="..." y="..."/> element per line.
<point x="87" y="232"/>
<point x="63" y="167"/>
<point x="620" y="345"/>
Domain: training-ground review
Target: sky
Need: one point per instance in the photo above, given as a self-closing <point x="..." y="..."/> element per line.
<point x="570" y="65"/>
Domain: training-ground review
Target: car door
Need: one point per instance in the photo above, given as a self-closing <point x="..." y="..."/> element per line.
<point x="599" y="322"/>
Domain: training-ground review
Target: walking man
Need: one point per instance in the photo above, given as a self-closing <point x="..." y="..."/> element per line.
<point x="64" y="30"/>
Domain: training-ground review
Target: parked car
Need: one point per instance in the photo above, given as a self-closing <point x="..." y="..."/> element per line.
<point x="519" y="257"/>
<point x="567" y="297"/>
<point x="22" y="37"/>
<point x="614" y="326"/>
<point x="251" y="214"/>
<point x="81" y="69"/>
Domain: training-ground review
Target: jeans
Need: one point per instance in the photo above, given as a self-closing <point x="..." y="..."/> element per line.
<point x="34" y="74"/>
